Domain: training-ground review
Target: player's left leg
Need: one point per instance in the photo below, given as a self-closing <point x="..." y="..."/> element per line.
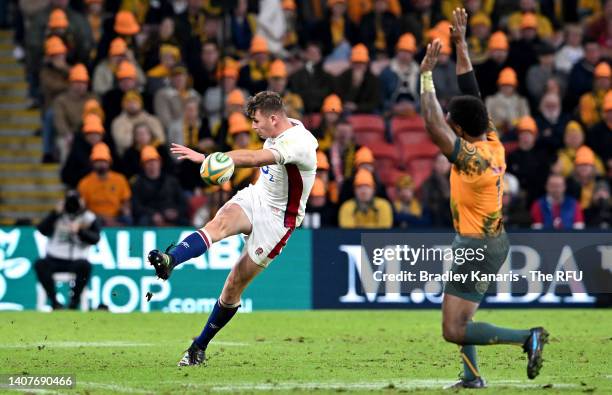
<point x="226" y="307"/>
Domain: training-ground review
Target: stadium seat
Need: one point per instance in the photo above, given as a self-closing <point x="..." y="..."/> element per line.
<point x="425" y="149"/>
<point x="385" y="154"/>
<point x="408" y="138"/>
<point x="420" y="170"/>
<point x="368" y="123"/>
<point x="390" y="176"/>
<point x="312" y="121"/>
<point x="407" y="125"/>
<point x="366" y="137"/>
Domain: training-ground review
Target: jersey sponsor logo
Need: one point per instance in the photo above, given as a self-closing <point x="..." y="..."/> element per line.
<point x="185" y="244"/>
<point x="266" y="170"/>
<point x="259" y="251"/>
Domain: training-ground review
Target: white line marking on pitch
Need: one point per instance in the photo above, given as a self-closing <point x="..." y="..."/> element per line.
<point x="114" y="387"/>
<point x="71" y="344"/>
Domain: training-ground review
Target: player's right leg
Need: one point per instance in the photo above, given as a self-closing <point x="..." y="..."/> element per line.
<point x="230" y="220"/>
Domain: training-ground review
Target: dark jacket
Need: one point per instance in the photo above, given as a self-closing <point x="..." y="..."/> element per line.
<point x="313" y="84"/>
<point x="322" y="34"/>
<point x="154" y="196"/>
<point x="131" y="166"/>
<point x="366" y="96"/>
<point x="390" y="27"/>
<point x="486" y="74"/>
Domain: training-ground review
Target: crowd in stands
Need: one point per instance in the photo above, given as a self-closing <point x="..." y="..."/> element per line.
<point x="117" y="81"/>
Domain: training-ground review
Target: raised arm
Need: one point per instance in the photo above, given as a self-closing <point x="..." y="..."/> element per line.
<point x="435" y="123"/>
<point x="465" y="72"/>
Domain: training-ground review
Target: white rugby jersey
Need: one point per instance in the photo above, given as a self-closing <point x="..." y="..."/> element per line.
<point x="287" y="184"/>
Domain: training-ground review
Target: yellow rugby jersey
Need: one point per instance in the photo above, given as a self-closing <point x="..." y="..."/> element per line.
<point x="477" y="186"/>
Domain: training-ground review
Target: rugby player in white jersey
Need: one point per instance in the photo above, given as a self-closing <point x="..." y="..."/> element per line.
<point x="267" y="212"/>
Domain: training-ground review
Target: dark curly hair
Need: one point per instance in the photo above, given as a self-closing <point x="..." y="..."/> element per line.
<point x="470" y="113"/>
<point x="267" y="102"/>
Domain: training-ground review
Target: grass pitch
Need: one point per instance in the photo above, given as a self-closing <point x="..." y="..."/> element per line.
<point x="322" y="351"/>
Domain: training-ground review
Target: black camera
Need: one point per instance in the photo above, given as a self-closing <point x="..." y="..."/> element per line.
<point x="72" y="204"/>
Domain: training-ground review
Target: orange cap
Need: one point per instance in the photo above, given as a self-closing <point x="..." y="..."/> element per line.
<point x="364" y="177"/>
<point x="258" y="45"/>
<point x="322" y="162"/>
<point x="406" y="42"/>
<point x="584" y="156"/>
<point x="443" y="27"/>
<point x="92" y="106"/>
<point x="507" y="77"/>
<point x="363" y="155"/>
<point x="527" y="124"/>
<point x="359" y="54"/>
<point x="499" y="40"/>
<point x="126" y="23"/>
<point x="79" y="73"/>
<point x="100" y="151"/>
<point x="446" y="47"/>
<point x="480" y="18"/>
<point x="278" y="69"/>
<point x="92" y="124"/>
<point x="331" y="3"/>
<point x="229" y="69"/>
<point x="57" y="19"/>
<point x="289" y="5"/>
<point x="607" y="103"/>
<point x="318" y="188"/>
<point x="54" y="46"/>
<point x="235" y="97"/>
<point x="126" y="70"/>
<point x="117" y="47"/>
<point x="238" y="123"/>
<point x="603" y="70"/>
<point x="149" y="152"/>
<point x="529" y="20"/>
<point x="332" y="103"/>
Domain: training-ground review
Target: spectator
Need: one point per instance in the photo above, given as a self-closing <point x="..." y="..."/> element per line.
<point x="399" y="80"/>
<point x="364" y="160"/>
<point x="323" y="173"/>
<point x="487" y="72"/>
<point x="157" y="198"/>
<point x="529" y="8"/>
<point x="158" y="77"/>
<point x="234" y="102"/>
<point x="436" y="193"/>
<point x="380" y="29"/>
<point x="241" y="136"/>
<point x="106" y="193"/>
<point x="254" y="75"/>
<point x="582" y="183"/>
<point x="515" y="214"/>
<point x="311" y="82"/>
<point x="555" y="210"/>
<point x="131" y="115"/>
<point x="551" y="122"/>
<point x="191" y="129"/>
<point x="444" y="75"/>
<point x="104" y="74"/>
<point x="320" y="213"/>
<point x="277" y="82"/>
<point x="143" y="137"/>
<point x="480" y="28"/>
<point x="599" y="137"/>
<point x="599" y="213"/>
<point x="54" y="73"/>
<point x="342" y="152"/>
<point x="597" y="26"/>
<point x="95" y="15"/>
<point x="580" y="79"/>
<point x="71" y="230"/>
<point x="127" y="78"/>
<point x="190" y="23"/>
<point x="539" y="74"/>
<point x="423" y="15"/>
<point x="169" y="102"/>
<point x="336" y="32"/>
<point x="78" y="165"/>
<point x="164" y="36"/>
<point x="242" y="27"/>
<point x="331" y="112"/>
<point x="506" y="107"/>
<point x="204" y="69"/>
<point x="526" y="163"/>
<point x="123" y="24"/>
<point x="571" y="51"/>
<point x="358" y="87"/>
<point x="365" y="210"/>
<point x="408" y="211"/>
<point x="68" y="109"/>
<point x="213" y="98"/>
<point x="591" y="103"/>
<point x="573" y="140"/>
<point x="293" y="27"/>
<point x="523" y="53"/>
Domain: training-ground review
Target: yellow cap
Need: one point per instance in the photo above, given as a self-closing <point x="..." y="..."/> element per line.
<point x="480" y="18"/>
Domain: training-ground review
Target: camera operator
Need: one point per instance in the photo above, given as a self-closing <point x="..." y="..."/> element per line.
<point x="71" y="230"/>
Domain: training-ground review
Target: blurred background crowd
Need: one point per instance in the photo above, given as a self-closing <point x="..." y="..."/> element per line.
<point x="117" y="81"/>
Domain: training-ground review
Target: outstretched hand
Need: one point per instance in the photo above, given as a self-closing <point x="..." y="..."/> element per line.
<point x="431" y="56"/>
<point x="459" y="25"/>
<point x="186" y="153"/>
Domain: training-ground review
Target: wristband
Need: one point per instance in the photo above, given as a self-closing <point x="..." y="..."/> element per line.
<point x="427" y="84"/>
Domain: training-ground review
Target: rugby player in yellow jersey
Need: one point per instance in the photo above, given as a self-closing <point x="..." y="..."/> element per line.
<point x="467" y="137"/>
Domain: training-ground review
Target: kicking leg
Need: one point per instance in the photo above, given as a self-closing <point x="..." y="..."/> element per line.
<point x="230" y="220"/>
<point x="225" y="308"/>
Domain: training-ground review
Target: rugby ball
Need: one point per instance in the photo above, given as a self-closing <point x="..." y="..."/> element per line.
<point x="217" y="168"/>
